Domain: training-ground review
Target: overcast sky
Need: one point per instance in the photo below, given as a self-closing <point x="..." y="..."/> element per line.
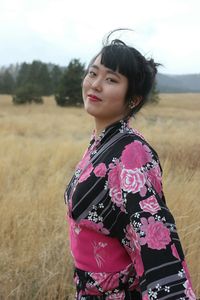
<point x="58" y="30"/>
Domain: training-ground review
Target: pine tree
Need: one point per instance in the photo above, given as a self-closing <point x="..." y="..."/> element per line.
<point x="23" y="75"/>
<point x="69" y="91"/>
<point x="56" y="75"/>
<point x="7" y="83"/>
<point x="28" y="93"/>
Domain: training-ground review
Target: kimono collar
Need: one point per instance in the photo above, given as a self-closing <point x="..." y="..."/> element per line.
<point x="121" y="125"/>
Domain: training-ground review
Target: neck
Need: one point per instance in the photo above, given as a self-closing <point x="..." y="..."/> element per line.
<point x="101" y="125"/>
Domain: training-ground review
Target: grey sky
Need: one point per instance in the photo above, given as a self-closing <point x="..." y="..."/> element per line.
<point x="57" y="30"/>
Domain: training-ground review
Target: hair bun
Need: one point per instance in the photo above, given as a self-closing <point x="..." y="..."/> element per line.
<point x="153" y="66"/>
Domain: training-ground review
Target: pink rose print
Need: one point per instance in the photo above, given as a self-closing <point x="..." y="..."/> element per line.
<point x="145" y="297"/>
<point x="134" y="285"/>
<point x="132" y="236"/>
<point x="85" y="160"/>
<point x="94" y="226"/>
<point x="135" y="155"/>
<point x="175" y="252"/>
<point x="86" y="173"/>
<point x="116" y="197"/>
<point x="143" y="191"/>
<point x="132" y="180"/>
<point x="126" y="273"/>
<point x="134" y="249"/>
<point x="118" y="296"/>
<point x="92" y="290"/>
<point x="157" y="235"/>
<point x="155" y="178"/>
<point x="150" y="205"/>
<point x="100" y="170"/>
<point x="136" y="259"/>
<point x="114" y="185"/>
<point x="107" y="281"/>
<point x="188" y="291"/>
<point x="139" y="267"/>
<point x="114" y="176"/>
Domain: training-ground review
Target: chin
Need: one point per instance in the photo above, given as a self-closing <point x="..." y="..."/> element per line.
<point x="91" y="111"/>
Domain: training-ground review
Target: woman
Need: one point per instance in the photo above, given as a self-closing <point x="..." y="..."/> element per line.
<point x="123" y="237"/>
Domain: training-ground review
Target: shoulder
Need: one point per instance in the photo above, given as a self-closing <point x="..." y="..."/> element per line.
<point x="132" y="145"/>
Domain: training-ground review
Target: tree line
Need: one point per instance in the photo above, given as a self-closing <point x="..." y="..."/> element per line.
<point x="29" y="82"/>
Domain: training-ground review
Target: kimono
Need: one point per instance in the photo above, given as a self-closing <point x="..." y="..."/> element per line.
<point x="123" y="238"/>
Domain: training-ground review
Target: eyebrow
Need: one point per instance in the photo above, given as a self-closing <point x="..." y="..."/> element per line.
<point x="109" y="71"/>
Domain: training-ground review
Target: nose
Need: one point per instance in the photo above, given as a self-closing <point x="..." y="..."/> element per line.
<point x="97" y="84"/>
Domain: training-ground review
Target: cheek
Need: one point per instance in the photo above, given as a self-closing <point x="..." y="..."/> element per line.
<point x="120" y="94"/>
<point x="84" y="83"/>
<point x="85" y="86"/>
<point x="120" y="103"/>
<point x="120" y="98"/>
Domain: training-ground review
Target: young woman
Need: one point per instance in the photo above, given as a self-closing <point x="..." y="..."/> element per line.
<point x="123" y="237"/>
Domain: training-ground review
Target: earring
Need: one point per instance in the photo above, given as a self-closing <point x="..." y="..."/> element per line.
<point x="131" y="105"/>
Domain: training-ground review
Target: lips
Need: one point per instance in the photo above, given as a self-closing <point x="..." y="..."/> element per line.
<point x="93" y="97"/>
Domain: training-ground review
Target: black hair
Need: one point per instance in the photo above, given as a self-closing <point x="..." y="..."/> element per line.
<point x="128" y="61"/>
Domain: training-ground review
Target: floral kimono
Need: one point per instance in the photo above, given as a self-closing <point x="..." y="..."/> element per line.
<point x="123" y="237"/>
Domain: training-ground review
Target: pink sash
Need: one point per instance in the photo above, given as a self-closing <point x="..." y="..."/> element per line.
<point x="93" y="251"/>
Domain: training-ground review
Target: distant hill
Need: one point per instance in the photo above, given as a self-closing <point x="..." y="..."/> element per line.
<point x="189" y="83"/>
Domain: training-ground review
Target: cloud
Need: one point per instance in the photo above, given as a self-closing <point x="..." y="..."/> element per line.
<point x="60" y="30"/>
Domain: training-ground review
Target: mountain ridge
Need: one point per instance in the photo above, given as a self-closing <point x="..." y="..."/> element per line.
<point x="187" y="83"/>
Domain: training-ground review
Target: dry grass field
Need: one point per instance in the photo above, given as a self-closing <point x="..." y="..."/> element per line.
<point x="39" y="147"/>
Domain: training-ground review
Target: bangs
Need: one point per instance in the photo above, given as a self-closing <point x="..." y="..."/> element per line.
<point x="119" y="58"/>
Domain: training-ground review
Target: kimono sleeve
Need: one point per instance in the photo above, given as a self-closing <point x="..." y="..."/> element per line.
<point x="146" y="227"/>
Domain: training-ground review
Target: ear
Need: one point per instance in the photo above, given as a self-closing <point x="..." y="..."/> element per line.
<point x="137" y="100"/>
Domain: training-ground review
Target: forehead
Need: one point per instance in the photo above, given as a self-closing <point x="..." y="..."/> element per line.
<point x="97" y="61"/>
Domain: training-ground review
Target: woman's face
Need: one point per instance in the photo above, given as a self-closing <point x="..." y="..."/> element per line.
<point x="104" y="93"/>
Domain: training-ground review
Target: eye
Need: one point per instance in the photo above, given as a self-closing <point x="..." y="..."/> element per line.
<point x="111" y="80"/>
<point x="91" y="73"/>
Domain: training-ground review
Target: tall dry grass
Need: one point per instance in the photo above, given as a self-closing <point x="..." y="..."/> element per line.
<point x="39" y="147"/>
